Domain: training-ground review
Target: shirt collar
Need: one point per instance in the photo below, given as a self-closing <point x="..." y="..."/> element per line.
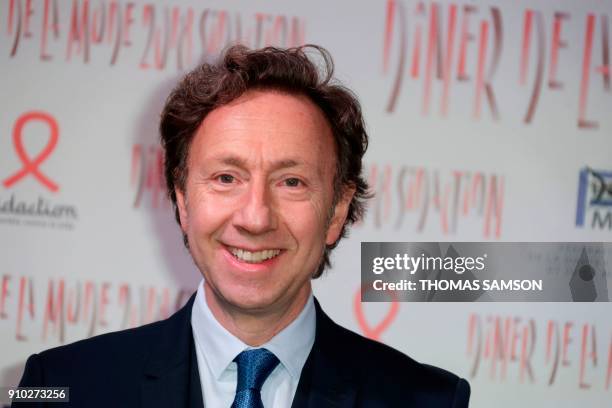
<point x="291" y="345"/>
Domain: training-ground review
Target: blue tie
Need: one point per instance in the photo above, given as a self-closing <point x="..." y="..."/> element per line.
<point x="254" y="366"/>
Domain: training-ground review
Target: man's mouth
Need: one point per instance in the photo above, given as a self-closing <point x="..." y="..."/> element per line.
<point x="254" y="256"/>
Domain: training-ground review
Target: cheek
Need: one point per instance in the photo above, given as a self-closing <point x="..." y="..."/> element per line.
<point x="206" y="214"/>
<point x="306" y="222"/>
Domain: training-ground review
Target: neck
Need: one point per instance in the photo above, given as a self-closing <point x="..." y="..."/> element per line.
<point x="257" y="326"/>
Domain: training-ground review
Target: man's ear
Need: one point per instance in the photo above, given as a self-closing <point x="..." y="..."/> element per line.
<point x="181" y="206"/>
<point x="339" y="217"/>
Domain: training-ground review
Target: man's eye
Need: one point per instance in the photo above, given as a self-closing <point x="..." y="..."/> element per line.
<point x="226" y="178"/>
<point x="293" y="182"/>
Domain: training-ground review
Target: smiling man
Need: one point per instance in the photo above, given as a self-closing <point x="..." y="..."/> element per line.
<point x="263" y="160"/>
<point x="258" y="208"/>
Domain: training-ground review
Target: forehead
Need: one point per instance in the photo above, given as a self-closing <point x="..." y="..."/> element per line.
<point x="266" y="126"/>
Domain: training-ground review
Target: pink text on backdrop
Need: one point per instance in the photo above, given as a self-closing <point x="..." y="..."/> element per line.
<point x="151" y="33"/>
<point x="509" y="344"/>
<point x="50" y="308"/>
<point x="458" y="44"/>
<point x="422" y="196"/>
<point x="148" y="175"/>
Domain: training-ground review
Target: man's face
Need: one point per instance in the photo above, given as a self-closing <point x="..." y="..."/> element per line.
<point x="257" y="206"/>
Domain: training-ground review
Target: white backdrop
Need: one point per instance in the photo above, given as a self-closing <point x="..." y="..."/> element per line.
<point x="481" y="115"/>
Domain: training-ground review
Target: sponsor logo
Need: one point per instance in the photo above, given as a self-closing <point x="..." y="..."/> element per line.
<point x="18" y="204"/>
<point x="31" y="166"/>
<point x="594" y="206"/>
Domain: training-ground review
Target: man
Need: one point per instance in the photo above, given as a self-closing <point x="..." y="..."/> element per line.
<point x="263" y="164"/>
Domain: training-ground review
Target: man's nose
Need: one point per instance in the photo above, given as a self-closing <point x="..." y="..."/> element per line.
<point x="257" y="214"/>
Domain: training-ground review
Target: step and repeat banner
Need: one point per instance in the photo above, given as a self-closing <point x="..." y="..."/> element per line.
<point x="490" y="121"/>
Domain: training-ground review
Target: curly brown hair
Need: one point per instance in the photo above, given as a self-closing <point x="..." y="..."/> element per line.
<point x="239" y="70"/>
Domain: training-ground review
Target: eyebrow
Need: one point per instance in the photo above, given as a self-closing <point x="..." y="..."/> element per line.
<point x="242" y="163"/>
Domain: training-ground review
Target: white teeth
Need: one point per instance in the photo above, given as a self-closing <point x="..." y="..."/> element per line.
<point x="254" y="257"/>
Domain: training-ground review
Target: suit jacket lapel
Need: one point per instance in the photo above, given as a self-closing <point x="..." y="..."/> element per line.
<point x="171" y="377"/>
<point x="325" y="381"/>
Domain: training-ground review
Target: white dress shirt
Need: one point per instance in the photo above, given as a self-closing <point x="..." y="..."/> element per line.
<point x="216" y="349"/>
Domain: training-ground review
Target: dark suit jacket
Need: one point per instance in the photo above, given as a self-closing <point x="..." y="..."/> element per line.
<point x="156" y="366"/>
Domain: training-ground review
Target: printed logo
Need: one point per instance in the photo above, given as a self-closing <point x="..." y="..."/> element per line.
<point x="22" y="207"/>
<point x="31" y="167"/>
<point x="594" y="206"/>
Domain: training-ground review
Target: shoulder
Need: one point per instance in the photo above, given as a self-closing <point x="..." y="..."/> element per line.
<point x="109" y="346"/>
<point x="386" y="374"/>
<point x="123" y="353"/>
<point x="115" y="351"/>
<point x="391" y="362"/>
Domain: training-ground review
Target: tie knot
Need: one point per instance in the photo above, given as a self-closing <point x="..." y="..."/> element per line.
<point x="254" y="366"/>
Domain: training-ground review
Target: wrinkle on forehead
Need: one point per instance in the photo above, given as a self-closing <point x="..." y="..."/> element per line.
<point x="254" y="129"/>
<point x="257" y="106"/>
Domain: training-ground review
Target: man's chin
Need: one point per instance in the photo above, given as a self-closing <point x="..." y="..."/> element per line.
<point x="257" y="303"/>
<point x="261" y="299"/>
<point x="247" y="300"/>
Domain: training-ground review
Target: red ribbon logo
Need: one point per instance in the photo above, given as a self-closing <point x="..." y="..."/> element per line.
<point x="369" y="331"/>
<point x="32" y="166"/>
